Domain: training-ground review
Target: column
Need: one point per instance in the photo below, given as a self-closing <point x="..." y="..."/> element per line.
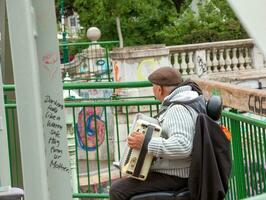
<point x="39" y="98"/>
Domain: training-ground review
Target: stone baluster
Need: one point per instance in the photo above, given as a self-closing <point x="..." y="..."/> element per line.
<point x="209" y="62"/>
<point x="247" y="58"/>
<point x="257" y="58"/>
<point x="234" y="60"/>
<point x="191" y="65"/>
<point x="176" y="61"/>
<point x="183" y="63"/>
<point x="221" y="60"/>
<point x="228" y="61"/>
<point x="241" y="59"/>
<point x="214" y="60"/>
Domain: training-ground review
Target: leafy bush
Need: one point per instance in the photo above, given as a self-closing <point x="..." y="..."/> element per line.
<point x="214" y="21"/>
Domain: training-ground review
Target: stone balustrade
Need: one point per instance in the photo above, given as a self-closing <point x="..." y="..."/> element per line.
<point x="212" y="59"/>
<point x="215" y="57"/>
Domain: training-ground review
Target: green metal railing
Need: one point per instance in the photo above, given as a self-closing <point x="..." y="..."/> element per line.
<point x="248" y="155"/>
<point x="87" y="61"/>
<point x="13" y="144"/>
<point x="97" y="148"/>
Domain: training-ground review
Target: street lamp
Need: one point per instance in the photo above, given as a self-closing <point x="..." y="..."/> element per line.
<point x="65" y="48"/>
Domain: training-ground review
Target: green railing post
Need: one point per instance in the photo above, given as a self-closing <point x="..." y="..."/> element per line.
<point x="238" y="164"/>
<point x="8" y="139"/>
<point x="107" y="63"/>
<point x="65" y="49"/>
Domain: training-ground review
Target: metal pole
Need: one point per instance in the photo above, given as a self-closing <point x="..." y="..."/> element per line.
<point x="65" y="48"/>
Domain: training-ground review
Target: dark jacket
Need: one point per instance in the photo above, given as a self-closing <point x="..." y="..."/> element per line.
<point x="211" y="161"/>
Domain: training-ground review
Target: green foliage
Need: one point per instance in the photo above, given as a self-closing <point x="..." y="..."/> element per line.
<point x="140" y="19"/>
<point x="214" y="21"/>
<point x="157" y="22"/>
<point x="68" y="8"/>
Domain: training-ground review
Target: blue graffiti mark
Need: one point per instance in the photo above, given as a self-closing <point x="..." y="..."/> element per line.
<point x="90" y="133"/>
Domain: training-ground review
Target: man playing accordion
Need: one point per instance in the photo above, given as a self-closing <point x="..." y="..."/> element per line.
<point x="172" y="151"/>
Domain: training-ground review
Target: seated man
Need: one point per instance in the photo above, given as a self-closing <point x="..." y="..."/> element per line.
<point x="172" y="151"/>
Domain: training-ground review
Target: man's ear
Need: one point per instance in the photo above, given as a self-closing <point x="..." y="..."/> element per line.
<point x="161" y="90"/>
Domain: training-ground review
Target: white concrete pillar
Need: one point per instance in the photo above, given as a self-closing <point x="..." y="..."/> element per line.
<point x="257" y="58"/>
<point x="5" y="179"/>
<point x="200" y="62"/>
<point x="39" y="98"/>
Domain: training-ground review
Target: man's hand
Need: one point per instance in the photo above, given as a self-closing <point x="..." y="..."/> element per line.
<point x="135" y="140"/>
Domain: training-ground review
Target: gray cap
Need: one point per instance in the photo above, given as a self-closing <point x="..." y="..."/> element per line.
<point x="165" y="76"/>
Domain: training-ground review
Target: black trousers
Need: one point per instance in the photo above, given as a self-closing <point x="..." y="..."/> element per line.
<point x="125" y="188"/>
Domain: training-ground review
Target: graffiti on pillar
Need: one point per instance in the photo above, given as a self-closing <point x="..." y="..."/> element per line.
<point x="90" y="137"/>
<point x="201" y="66"/>
<point x="145" y="67"/>
<point x="49" y="61"/>
<point x="117" y="77"/>
<point x="54" y="126"/>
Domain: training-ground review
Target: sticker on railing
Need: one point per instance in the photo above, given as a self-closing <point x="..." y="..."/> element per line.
<point x="88" y="137"/>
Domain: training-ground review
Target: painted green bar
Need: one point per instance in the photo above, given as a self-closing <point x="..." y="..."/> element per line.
<point x="117" y="132"/>
<point x="238" y="164"/>
<point x="243" y="118"/>
<point x="107" y="144"/>
<point x="107" y="61"/>
<point x="112" y="103"/>
<point x="76" y="147"/>
<point x="245" y="155"/>
<point x="9" y="144"/>
<point x="15" y="145"/>
<point x="9" y="87"/>
<point x="101" y="85"/>
<point x="94" y="85"/>
<point x="88" y="43"/>
<point x="86" y="143"/>
<point x="97" y="150"/>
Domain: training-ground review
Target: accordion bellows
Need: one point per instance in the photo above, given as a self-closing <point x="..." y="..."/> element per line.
<point x="136" y="163"/>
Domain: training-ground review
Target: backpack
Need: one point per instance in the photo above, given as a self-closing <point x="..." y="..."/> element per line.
<point x="211" y="157"/>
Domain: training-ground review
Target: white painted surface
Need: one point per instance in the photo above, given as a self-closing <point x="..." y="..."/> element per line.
<point x="4" y="155"/>
<point x="35" y="55"/>
<point x="252" y="15"/>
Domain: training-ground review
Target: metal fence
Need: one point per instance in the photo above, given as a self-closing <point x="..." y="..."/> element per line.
<point x="93" y="150"/>
<point x="248" y="154"/>
<point x="87" y="61"/>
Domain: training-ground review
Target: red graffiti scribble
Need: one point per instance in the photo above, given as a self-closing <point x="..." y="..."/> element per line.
<point x="49" y="61"/>
<point x="50" y="58"/>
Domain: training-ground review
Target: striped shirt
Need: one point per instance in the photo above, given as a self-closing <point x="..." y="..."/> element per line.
<point x="173" y="149"/>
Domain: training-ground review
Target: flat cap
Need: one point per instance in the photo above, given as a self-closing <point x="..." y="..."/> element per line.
<point x="165" y="76"/>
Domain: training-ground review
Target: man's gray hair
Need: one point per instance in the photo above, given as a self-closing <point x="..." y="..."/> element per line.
<point x="169" y="88"/>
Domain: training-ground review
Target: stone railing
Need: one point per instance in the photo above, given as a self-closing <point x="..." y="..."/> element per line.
<point x="227" y="56"/>
<point x="194" y="59"/>
<point x="136" y="63"/>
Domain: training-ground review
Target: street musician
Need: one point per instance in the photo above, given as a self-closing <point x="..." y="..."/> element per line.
<point x="172" y="150"/>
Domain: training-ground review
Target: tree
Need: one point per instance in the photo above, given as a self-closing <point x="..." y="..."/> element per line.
<point x="178" y="4"/>
<point x="159" y="21"/>
<point x="68" y="8"/>
<point x="140" y="19"/>
<point x="215" y="21"/>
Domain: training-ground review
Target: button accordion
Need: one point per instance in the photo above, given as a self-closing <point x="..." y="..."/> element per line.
<point x="136" y="163"/>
